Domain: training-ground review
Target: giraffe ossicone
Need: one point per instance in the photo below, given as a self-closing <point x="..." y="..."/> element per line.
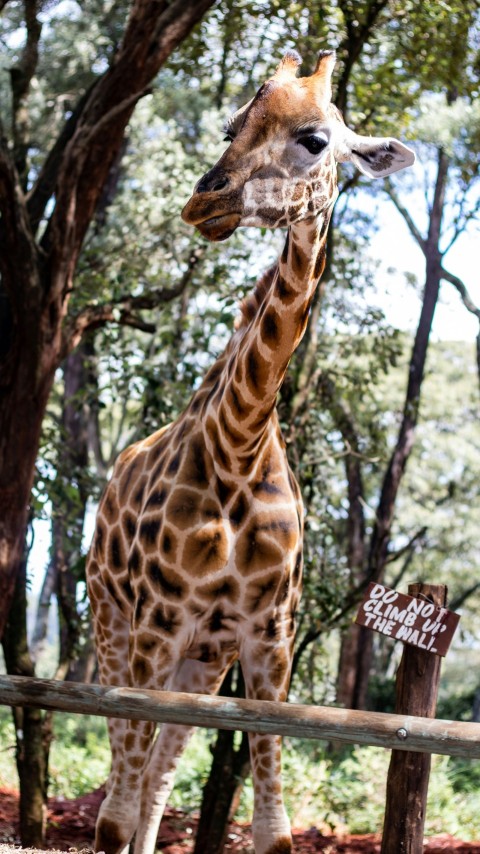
<point x="197" y="555"/>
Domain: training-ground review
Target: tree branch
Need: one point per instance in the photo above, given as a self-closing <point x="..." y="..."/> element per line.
<point x="414" y="231"/>
<point x="468" y="303"/>
<point x="392" y="556"/>
<point x="344" y="422"/>
<point x="122" y="309"/>
<point x="462" y="290"/>
<point x="21" y="76"/>
<point x="18" y="251"/>
<point x="119" y="311"/>
<point x="461" y="220"/>
<point x="153" y="31"/>
<point x="358" y="33"/>
<point x="391" y="482"/>
<point x="43" y="188"/>
<point x="463" y="596"/>
<point x="327" y="624"/>
<point x="403" y="569"/>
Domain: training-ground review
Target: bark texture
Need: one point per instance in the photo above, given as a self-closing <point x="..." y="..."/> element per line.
<point x="418" y="679"/>
<point x="32" y="737"/>
<point x="37" y="272"/>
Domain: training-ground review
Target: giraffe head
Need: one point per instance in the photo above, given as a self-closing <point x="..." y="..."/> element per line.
<point x="280" y="166"/>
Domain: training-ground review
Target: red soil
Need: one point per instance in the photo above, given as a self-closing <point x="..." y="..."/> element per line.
<point x="71" y="825"/>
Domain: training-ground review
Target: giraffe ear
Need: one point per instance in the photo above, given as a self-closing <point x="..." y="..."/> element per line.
<point x="376" y="157"/>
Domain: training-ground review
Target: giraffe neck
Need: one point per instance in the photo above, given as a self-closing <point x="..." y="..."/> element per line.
<point x="244" y="408"/>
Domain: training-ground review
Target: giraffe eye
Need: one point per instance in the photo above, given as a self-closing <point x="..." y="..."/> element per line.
<point x="228" y="137"/>
<point x="314" y="143"/>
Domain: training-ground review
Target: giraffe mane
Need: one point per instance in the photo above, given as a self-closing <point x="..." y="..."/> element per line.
<point x="250" y="304"/>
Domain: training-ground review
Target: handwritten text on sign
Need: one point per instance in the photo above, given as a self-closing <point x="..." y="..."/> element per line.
<point x="407" y="619"/>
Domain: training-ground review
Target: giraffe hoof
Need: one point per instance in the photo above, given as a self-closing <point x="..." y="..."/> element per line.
<point x="281" y="846"/>
<point x="108" y="838"/>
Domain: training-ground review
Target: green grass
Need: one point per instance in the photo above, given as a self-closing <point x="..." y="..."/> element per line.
<point x="79" y="755"/>
<point x="8" y="772"/>
<point x="351" y="791"/>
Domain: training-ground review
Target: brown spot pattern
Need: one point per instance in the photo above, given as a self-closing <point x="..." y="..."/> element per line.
<point x="205" y="550"/>
<point x="226" y="586"/>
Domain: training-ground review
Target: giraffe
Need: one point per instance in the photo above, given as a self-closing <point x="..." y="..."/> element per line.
<point x="197" y="556"/>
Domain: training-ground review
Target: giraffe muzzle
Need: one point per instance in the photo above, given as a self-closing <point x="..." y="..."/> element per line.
<point x="218" y="228"/>
<point x="214" y="215"/>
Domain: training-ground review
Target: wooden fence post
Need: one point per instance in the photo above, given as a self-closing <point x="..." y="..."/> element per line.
<point x="408" y="775"/>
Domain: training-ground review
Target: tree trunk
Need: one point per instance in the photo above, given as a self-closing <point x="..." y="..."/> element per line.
<point x="361" y="645"/>
<point x="22" y="405"/>
<point x="69" y="516"/>
<point x="37" y="281"/>
<point x="347" y="683"/>
<point x="40" y="630"/>
<point x="32" y="738"/>
<point x="361" y="650"/>
<point x="476" y="707"/>
<point x="228" y="772"/>
<point x="347" y="667"/>
<point x="34" y="730"/>
<point x="417" y="684"/>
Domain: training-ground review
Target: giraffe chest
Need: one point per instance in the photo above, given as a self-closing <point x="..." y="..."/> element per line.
<point x="211" y="556"/>
<point x="197" y="536"/>
<point x="200" y="521"/>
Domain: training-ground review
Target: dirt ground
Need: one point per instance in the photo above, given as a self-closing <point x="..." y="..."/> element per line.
<point x="71" y="827"/>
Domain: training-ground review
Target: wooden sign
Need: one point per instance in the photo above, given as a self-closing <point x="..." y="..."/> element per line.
<point x="404" y="618"/>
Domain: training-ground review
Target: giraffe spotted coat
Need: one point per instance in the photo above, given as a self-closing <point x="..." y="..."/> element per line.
<point x="197" y="555"/>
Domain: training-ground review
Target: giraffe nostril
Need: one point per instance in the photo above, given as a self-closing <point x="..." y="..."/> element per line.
<point x="211" y="183"/>
<point x="220" y="184"/>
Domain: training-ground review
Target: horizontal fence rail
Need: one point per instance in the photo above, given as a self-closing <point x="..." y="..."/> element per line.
<point x="401" y="732"/>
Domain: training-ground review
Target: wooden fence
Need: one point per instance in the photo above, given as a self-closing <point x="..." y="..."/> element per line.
<point x="417" y="732"/>
<point x="400" y="732"/>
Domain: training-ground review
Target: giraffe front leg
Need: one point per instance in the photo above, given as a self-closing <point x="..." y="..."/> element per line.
<point x="132" y="745"/>
<point x="159" y="776"/>
<point x="271" y="825"/>
<point x="157" y="783"/>
<point x="266" y="671"/>
<point x="130" y="741"/>
<point x="119" y="812"/>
